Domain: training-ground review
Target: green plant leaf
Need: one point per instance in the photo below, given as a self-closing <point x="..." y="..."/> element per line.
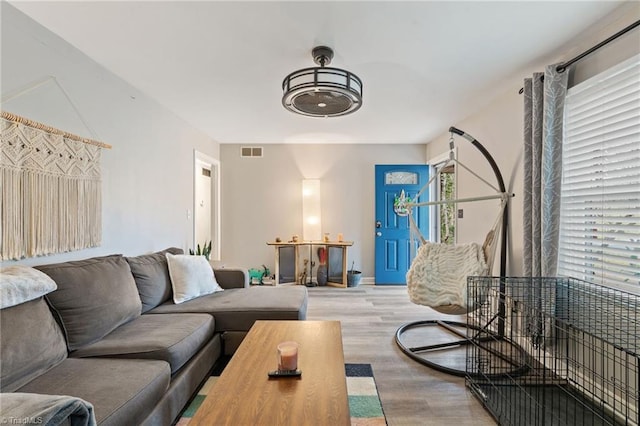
<point x="204" y="250"/>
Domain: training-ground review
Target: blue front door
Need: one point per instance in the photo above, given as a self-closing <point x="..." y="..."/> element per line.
<point x="393" y="243"/>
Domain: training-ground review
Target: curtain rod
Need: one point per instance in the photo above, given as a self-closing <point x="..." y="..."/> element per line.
<point x="563" y="66"/>
<point x="34" y="124"/>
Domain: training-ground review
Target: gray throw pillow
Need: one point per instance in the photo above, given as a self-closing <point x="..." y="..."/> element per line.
<point x="152" y="277"/>
<point x="94" y="296"/>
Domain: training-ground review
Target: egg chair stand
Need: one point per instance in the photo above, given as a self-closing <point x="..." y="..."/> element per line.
<point x="464" y="333"/>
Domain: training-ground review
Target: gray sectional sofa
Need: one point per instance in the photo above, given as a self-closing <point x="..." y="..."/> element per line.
<point x="112" y="335"/>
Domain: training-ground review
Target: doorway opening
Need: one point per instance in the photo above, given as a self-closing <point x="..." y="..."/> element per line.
<point x="443" y="217"/>
<point x="206" y="208"/>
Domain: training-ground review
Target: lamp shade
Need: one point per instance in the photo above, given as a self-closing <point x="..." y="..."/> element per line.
<point x="311" y="217"/>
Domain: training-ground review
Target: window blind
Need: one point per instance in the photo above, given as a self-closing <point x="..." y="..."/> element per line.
<point x="600" y="196"/>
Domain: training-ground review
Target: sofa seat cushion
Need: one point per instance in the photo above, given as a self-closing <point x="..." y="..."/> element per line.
<point x="123" y="392"/>
<point x="151" y="274"/>
<point x="237" y="309"/>
<point x="173" y="338"/>
<point x="94" y="296"/>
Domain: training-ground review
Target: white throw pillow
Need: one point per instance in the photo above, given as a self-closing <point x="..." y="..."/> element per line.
<point x="19" y="284"/>
<point x="191" y="277"/>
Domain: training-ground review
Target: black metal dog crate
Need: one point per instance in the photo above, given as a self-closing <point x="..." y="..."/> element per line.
<point x="553" y="351"/>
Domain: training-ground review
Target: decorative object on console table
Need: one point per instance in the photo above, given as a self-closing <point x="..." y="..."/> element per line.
<point x="322" y="273"/>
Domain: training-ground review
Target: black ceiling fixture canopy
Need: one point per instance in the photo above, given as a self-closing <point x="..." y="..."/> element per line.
<point x="322" y="55"/>
<point x="322" y="91"/>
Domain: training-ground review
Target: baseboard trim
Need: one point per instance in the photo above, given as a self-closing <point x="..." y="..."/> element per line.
<point x="368" y="281"/>
<point x="372" y="281"/>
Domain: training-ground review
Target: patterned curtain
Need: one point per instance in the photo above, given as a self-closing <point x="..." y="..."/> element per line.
<point x="544" y="96"/>
<point x="50" y="200"/>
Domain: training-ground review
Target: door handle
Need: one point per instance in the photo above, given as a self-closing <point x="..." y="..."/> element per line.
<point x="378" y="234"/>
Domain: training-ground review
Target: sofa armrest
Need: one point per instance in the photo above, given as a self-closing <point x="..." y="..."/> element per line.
<point x="232" y="277"/>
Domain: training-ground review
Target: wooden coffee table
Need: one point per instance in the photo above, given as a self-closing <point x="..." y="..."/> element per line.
<point x="245" y="395"/>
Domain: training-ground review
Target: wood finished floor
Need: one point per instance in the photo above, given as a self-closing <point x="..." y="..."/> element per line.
<point x="411" y="393"/>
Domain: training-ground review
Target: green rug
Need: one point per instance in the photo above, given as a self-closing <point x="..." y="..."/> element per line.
<point x="364" y="402"/>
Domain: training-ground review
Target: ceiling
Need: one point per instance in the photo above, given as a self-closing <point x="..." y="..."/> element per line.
<point x="219" y="65"/>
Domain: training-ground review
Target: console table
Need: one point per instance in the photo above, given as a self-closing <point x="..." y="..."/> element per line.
<point x="336" y="260"/>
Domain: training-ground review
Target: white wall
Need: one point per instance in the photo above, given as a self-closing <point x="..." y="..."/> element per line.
<point x="262" y="197"/>
<point x="499" y="127"/>
<point x="147" y="177"/>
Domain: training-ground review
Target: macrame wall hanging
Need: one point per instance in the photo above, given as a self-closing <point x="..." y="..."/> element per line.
<point x="51" y="189"/>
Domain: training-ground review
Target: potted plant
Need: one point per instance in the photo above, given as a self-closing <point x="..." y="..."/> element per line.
<point x="204" y="251"/>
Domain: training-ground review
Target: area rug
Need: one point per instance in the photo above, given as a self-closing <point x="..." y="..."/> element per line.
<point x="364" y="402"/>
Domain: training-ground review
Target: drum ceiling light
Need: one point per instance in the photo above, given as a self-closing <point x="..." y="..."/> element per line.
<point x="322" y="91"/>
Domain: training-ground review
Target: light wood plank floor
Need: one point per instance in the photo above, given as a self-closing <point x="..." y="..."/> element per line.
<point x="411" y="393"/>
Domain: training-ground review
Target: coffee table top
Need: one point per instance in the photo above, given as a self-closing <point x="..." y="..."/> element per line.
<point x="245" y="395"/>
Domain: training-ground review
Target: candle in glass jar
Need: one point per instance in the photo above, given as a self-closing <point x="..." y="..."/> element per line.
<point x="288" y="356"/>
<point x="340" y="237"/>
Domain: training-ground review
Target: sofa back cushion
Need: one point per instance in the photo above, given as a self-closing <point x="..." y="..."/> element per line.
<point x="151" y="274"/>
<point x="31" y="343"/>
<point x="94" y="296"/>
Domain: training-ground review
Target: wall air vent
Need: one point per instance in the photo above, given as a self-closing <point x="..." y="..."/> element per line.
<point x="251" y="151"/>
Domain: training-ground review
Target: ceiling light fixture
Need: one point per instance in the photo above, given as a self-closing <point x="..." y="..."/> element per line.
<point x="322" y="91"/>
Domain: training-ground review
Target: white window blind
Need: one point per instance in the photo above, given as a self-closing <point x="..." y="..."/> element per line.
<point x="600" y="196"/>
